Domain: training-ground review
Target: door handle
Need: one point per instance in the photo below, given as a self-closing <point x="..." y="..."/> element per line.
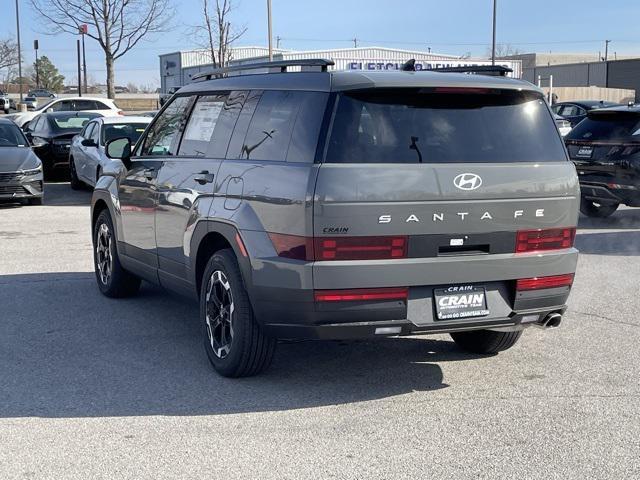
<point x="150" y="173"/>
<point x="204" y="177"/>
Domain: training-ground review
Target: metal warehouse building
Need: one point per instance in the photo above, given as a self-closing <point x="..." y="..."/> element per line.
<point x="623" y="74"/>
<point x="177" y="68"/>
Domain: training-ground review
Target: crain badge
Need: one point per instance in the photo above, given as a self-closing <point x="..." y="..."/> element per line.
<point x="467" y="181"/>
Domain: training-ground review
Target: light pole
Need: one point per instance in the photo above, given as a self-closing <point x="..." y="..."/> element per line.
<point x="19" y="49"/>
<point x="35" y="47"/>
<point x="269" y="29"/>
<point x="493" y="43"/>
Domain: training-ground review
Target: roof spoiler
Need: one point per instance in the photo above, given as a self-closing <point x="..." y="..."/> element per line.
<point x="279" y="66"/>
<point x="491" y="70"/>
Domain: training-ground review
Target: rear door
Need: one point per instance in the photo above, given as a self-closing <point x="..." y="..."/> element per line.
<point x="188" y="181"/>
<point x="450" y="171"/>
<point x="80" y="151"/>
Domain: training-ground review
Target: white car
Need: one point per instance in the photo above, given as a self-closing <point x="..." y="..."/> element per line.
<point x="87" y="157"/>
<point x="104" y="106"/>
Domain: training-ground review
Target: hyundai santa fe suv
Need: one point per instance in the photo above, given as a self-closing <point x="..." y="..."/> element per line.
<point x="330" y="205"/>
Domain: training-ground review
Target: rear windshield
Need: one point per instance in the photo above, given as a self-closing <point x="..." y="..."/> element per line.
<point x="607" y="127"/>
<point x="443" y="125"/>
<point x="132" y="131"/>
<point x="75" y="122"/>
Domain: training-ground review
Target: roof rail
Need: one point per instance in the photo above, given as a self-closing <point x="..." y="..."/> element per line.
<point x="492" y="70"/>
<point x="280" y="65"/>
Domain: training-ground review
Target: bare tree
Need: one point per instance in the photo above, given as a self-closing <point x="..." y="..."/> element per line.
<point x="117" y="25"/>
<point x="217" y="30"/>
<point x="504" y="50"/>
<point x="8" y="53"/>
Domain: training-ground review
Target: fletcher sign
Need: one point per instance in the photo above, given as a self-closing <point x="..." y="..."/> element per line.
<point x="422" y="64"/>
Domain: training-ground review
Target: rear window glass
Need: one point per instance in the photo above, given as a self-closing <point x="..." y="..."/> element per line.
<point x="75" y="122"/>
<point x="607" y="127"/>
<point x="443" y="126"/>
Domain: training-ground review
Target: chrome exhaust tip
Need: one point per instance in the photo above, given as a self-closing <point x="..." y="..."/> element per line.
<point x="551" y="321"/>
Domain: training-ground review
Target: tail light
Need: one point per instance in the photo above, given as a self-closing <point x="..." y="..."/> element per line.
<point x="360" y="248"/>
<point x="361" y="294"/>
<point x="120" y="112"/>
<point x="538" y="283"/>
<point x="339" y="248"/>
<point x="549" y="239"/>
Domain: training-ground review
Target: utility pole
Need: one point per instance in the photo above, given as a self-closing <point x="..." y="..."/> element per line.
<point x="19" y="48"/>
<point x="79" y="76"/>
<point x="493" y="43"/>
<point x="606" y="49"/>
<point x="35" y="47"/>
<point x="269" y="30"/>
<point x="83" y="30"/>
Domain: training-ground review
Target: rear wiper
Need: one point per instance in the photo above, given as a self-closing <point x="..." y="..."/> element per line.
<point x="414" y="146"/>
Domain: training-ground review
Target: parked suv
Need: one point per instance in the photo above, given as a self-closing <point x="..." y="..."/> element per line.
<point x="334" y="205"/>
<point x="605" y="148"/>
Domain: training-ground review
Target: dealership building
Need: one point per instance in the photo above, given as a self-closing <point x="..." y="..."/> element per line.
<point x="177" y="68"/>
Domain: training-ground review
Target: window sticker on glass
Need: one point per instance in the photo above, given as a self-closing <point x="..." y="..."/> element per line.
<point x="203" y="121"/>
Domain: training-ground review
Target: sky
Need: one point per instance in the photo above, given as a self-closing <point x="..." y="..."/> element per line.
<point x="453" y="27"/>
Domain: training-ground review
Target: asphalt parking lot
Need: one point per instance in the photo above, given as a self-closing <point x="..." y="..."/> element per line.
<point x="98" y="388"/>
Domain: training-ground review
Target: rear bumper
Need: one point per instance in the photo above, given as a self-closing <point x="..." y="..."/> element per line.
<point x="282" y="294"/>
<point x="602" y="191"/>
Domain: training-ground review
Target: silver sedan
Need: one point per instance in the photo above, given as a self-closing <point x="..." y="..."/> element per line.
<point x="87" y="156"/>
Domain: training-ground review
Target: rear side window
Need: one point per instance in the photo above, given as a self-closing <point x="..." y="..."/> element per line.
<point x="163" y="136"/>
<point x="443" y="125"/>
<point x="620" y="126"/>
<point x="206" y="118"/>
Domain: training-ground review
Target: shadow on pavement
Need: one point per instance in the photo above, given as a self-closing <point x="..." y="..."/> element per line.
<point x="621" y="219"/>
<point x="57" y="194"/>
<point x="67" y="351"/>
<point x="623" y="243"/>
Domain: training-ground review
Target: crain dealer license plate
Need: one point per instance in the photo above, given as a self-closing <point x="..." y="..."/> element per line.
<point x="460" y="301"/>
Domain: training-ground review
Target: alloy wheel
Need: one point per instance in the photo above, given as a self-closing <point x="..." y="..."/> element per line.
<point x="219" y="316"/>
<point x="104" y="255"/>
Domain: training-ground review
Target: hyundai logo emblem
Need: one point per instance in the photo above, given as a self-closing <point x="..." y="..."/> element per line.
<point x="467" y="181"/>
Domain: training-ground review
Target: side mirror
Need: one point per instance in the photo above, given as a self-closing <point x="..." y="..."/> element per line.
<point x="88" y="142"/>
<point x="49" y="110"/>
<point x="119" y="149"/>
<point x="37" y="141"/>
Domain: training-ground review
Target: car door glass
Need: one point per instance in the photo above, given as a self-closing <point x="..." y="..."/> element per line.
<point x="88" y="130"/>
<point x="569" y="111"/>
<point x="99" y="106"/>
<point x="556" y="109"/>
<point x="80" y="105"/>
<point x="201" y="125"/>
<point x="163" y="136"/>
<point x="269" y="132"/>
<point x="95" y="134"/>
<point x="63" y="106"/>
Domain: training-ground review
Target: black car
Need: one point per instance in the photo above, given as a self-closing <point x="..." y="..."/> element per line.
<point x="605" y="148"/>
<point x="51" y="134"/>
<point x="575" y="112"/>
<point x="41" y="92"/>
<point x="20" y="169"/>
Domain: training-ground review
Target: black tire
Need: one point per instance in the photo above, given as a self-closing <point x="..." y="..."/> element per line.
<point x="597" y="210"/>
<point x="75" y="182"/>
<point x="113" y="280"/>
<point x="235" y="344"/>
<point x="35" y="201"/>
<point x="485" y="341"/>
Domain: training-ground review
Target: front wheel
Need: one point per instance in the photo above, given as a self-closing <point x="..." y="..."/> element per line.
<point x="486" y="341"/>
<point x="113" y="280"/>
<point x="597" y="210"/>
<point x="233" y="340"/>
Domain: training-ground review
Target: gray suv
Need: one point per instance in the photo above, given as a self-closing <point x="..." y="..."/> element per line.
<point x="321" y="204"/>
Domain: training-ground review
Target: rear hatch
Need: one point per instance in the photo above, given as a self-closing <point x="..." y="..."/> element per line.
<point x="606" y="143"/>
<point x="449" y="171"/>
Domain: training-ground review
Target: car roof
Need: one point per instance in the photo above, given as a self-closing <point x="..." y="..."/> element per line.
<point x="618" y="108"/>
<point x="353" y="80"/>
<point x="120" y="120"/>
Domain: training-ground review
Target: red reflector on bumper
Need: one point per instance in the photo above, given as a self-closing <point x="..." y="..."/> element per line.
<point x="538" y="283"/>
<point x="361" y="294"/>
